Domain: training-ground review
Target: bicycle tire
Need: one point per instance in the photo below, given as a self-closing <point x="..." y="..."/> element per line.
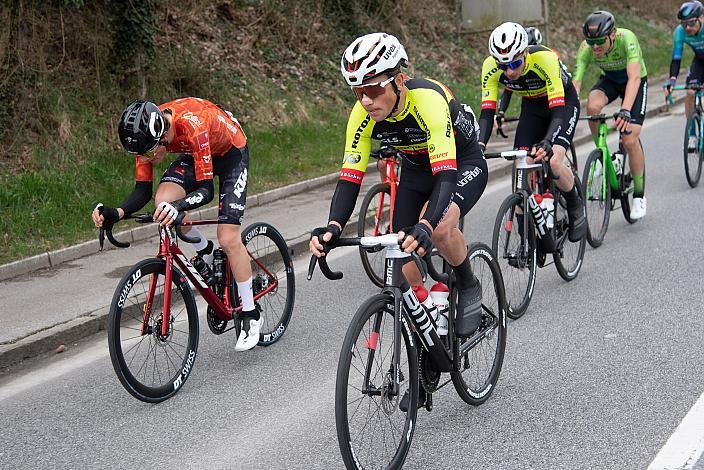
<point x="626" y="187"/>
<point x="693" y="160"/>
<point x="370" y="225"/>
<point x="569" y="255"/>
<point x="572" y="156"/>
<point x="149" y="381"/>
<point x="475" y="383"/>
<point x="597" y="198"/>
<point x="270" y="253"/>
<point x="519" y="280"/>
<point x="383" y="408"/>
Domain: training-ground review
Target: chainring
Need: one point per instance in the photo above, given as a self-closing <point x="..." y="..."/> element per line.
<point x="429" y="377"/>
<point x="216" y="325"/>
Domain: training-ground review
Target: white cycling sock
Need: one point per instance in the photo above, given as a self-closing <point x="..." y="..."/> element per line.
<point x="246" y="294"/>
<point x="194" y="232"/>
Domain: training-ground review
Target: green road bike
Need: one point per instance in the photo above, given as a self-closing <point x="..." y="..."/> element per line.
<point x="694" y="156"/>
<point x="606" y="181"/>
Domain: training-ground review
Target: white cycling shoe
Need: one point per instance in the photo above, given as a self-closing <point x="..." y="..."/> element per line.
<point x="638" y="208"/>
<point x="249" y="336"/>
<point x="692" y="143"/>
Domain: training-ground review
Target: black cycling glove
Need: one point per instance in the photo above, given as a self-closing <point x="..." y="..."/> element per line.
<point x="624" y="114"/>
<point x="422" y="234"/>
<point x="110" y="214"/>
<point x="334" y="229"/>
<point x="546" y="145"/>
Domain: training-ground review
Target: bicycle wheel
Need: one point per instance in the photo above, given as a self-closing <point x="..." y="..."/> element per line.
<point x="693" y="158"/>
<point x="572" y="156"/>
<point x="514" y="246"/>
<point x="481" y="365"/>
<point x="374" y="219"/>
<point x="272" y="272"/>
<point x="626" y="185"/>
<point x="152" y="366"/>
<point x="597" y="198"/>
<point x="569" y="255"/>
<point x="372" y="431"/>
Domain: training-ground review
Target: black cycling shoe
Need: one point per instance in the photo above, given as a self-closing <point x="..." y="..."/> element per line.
<point x="578" y="222"/>
<point x="469" y="310"/>
<point x="403" y="406"/>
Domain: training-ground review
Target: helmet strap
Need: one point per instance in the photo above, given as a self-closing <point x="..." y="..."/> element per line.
<point x="398" y="98"/>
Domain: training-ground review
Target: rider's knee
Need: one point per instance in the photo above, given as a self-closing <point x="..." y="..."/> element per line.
<point x="229" y="238"/>
<point x="441" y="234"/>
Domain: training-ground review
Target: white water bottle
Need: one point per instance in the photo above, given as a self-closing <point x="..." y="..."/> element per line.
<point x="440" y="295"/>
<point x="548" y="206"/>
<point x="423" y="297"/>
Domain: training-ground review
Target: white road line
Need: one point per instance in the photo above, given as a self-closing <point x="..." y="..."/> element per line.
<point x="684" y="447"/>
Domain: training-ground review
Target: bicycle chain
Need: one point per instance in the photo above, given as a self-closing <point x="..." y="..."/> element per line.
<point x="429" y="377"/>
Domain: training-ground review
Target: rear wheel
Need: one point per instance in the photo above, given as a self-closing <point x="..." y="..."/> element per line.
<point x="693" y="158"/>
<point x="569" y="255"/>
<point x="480" y="366"/>
<point x="375" y="219"/>
<point x="273" y="279"/>
<point x="372" y="431"/>
<point x="151" y="365"/>
<point x="626" y="185"/>
<point x="513" y="242"/>
<point x="597" y="198"/>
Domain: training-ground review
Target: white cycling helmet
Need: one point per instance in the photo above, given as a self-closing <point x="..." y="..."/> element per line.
<point x="507" y="41"/>
<point x="371" y="55"/>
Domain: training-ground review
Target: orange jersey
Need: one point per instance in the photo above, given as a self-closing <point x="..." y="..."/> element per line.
<point x="201" y="129"/>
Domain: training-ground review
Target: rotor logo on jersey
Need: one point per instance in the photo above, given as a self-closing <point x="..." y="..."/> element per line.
<point x="358" y="134"/>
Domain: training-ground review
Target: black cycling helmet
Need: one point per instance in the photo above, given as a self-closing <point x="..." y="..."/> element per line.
<point x="690" y="10"/>
<point x="535" y="37"/>
<point x="598" y="24"/>
<point x="141" y="127"/>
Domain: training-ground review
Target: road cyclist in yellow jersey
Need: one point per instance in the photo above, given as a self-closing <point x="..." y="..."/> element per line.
<point x="549" y="108"/>
<point x="623" y="75"/>
<point x="443" y="169"/>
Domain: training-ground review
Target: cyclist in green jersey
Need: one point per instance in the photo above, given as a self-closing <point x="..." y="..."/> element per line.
<point x="623" y="75"/>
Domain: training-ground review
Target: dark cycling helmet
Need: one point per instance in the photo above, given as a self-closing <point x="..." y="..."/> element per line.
<point x="141" y="127"/>
<point x="690" y="10"/>
<point x="598" y="24"/>
<point x="535" y="37"/>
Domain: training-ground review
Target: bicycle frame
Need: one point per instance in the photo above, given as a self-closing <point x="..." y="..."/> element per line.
<point x="172" y="254"/>
<point x="606" y="162"/>
<point x="390" y="178"/>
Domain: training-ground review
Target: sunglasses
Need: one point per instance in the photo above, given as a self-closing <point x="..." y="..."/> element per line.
<point x="372" y="90"/>
<point x="149" y="154"/>
<point x="689" y="23"/>
<point x="511" y="65"/>
<point x="596" y="41"/>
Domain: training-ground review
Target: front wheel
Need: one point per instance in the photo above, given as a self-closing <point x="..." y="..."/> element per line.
<point x="375" y="219"/>
<point x="273" y="279"/>
<point x="480" y="366"/>
<point x="693" y="157"/>
<point x="372" y="431"/>
<point x="151" y="365"/>
<point x="597" y="198"/>
<point x="513" y="242"/>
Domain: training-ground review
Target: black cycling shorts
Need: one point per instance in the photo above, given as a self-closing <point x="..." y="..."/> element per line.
<point x="232" y="176"/>
<point x="416" y="186"/>
<point x="535" y="119"/>
<point x="614" y="90"/>
<point x="696" y="72"/>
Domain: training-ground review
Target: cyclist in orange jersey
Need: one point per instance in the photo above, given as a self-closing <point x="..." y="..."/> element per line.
<point x="210" y="142"/>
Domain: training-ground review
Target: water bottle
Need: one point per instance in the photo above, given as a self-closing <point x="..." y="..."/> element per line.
<point x="534" y="201"/>
<point x="423" y="297"/>
<point x="440" y="295"/>
<point x="203" y="269"/>
<point x="548" y="206"/>
<point x="617" y="160"/>
<point x="219" y="266"/>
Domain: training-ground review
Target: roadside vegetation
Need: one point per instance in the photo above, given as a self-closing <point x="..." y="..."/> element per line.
<point x="68" y="68"/>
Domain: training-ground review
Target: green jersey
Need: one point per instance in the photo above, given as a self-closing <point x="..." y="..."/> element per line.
<point x="625" y="50"/>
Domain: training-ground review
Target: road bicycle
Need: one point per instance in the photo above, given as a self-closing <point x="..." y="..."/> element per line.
<point x="607" y="181"/>
<point x="153" y="322"/>
<point x="695" y="127"/>
<point x="521" y="242"/>
<point x="377" y="211"/>
<point x="392" y="347"/>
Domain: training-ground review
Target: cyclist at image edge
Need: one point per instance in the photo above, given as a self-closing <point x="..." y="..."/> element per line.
<point x="623" y="75"/>
<point x="211" y="142"/>
<point x="549" y="108"/>
<point x="443" y="169"/>
<point x="690" y="32"/>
